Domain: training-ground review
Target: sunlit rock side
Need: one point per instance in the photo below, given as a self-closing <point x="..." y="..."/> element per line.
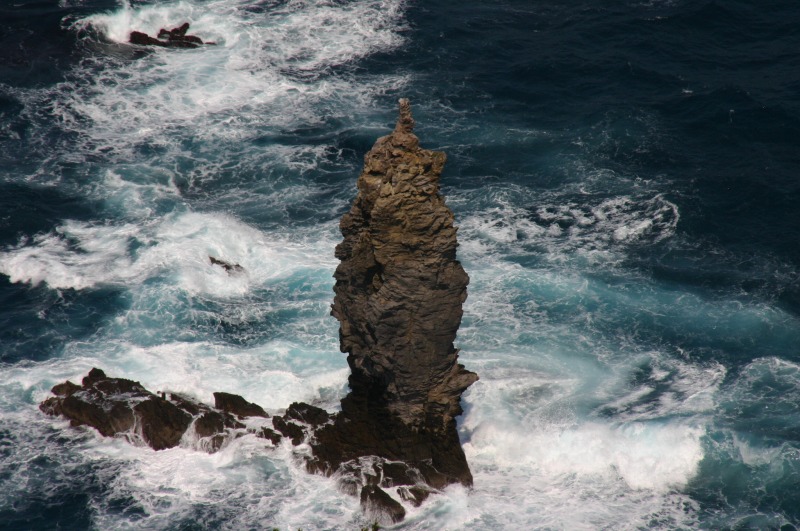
<point x="399" y="294"/>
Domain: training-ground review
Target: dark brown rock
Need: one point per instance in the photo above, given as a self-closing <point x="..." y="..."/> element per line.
<point x="65" y="389"/>
<point x="398" y="473"/>
<point x="399" y="294"/>
<point x="379" y="506"/>
<point x="270" y="435"/>
<point x="176" y="33"/>
<point x="52" y="406"/>
<point x="174" y="38"/>
<point x="289" y="429"/>
<point x="414" y="495"/>
<point x="162" y="423"/>
<point x="212" y="427"/>
<point x="143" y="39"/>
<point x="120" y="407"/>
<point x="213" y="422"/>
<point x="116" y="406"/>
<point x="237" y="405"/>
<point x="307" y="413"/>
<point x="94" y="375"/>
<point x="191" y="406"/>
<point x="227" y="266"/>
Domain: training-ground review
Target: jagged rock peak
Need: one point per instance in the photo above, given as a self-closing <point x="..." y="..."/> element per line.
<point x="398" y="297"/>
<point x="405" y="122"/>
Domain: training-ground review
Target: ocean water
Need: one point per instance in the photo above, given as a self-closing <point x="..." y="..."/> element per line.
<point x="626" y="179"/>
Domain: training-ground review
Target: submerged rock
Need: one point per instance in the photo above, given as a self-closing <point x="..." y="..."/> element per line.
<point x="379" y="506"/>
<point x="288" y="429"/>
<point x="270" y="435"/>
<point x="414" y="495"/>
<point x="227" y="266"/>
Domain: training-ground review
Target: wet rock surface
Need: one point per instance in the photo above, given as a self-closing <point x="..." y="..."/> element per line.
<point x="117" y="407"/>
<point x="174" y="38"/>
<point x="237" y="405"/>
<point x="378" y="505"/>
<point x="229" y="267"/>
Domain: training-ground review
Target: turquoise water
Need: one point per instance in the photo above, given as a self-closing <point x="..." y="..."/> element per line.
<point x="624" y="179"/>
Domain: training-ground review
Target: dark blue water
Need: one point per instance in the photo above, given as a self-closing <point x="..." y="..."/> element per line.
<point x="625" y="179"/>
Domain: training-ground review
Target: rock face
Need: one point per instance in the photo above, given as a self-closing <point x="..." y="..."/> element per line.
<point x="379" y="506"/>
<point x="398" y="297"/>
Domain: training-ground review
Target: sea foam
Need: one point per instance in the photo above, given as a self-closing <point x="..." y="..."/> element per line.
<point x="81" y="255"/>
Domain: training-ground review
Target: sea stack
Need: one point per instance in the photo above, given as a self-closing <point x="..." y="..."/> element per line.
<point x="398" y="297"/>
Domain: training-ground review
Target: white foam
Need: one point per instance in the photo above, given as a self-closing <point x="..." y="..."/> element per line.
<point x="50" y="259"/>
<point x="561" y="231"/>
<point x="755" y="455"/>
<point x="272" y="375"/>
<point x="643" y="455"/>
<point x="674" y="387"/>
<point x="82" y="255"/>
<point x="519" y="416"/>
<point x="250" y="484"/>
<point x="271" y="68"/>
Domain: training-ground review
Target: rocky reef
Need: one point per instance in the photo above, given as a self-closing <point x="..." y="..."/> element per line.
<point x="117" y="407"/>
<point x="398" y="298"/>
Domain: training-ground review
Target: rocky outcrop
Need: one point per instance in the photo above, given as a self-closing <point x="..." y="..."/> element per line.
<point x="237" y="405"/>
<point x="229" y="267"/>
<point x="379" y="506"/>
<point x="117" y="407"/>
<point x="174" y="38"/>
<point x="398" y="297"/>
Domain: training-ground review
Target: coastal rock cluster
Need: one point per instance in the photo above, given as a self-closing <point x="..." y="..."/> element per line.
<point x="117" y="407"/>
<point x="398" y="298"/>
<point x="174" y="38"/>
